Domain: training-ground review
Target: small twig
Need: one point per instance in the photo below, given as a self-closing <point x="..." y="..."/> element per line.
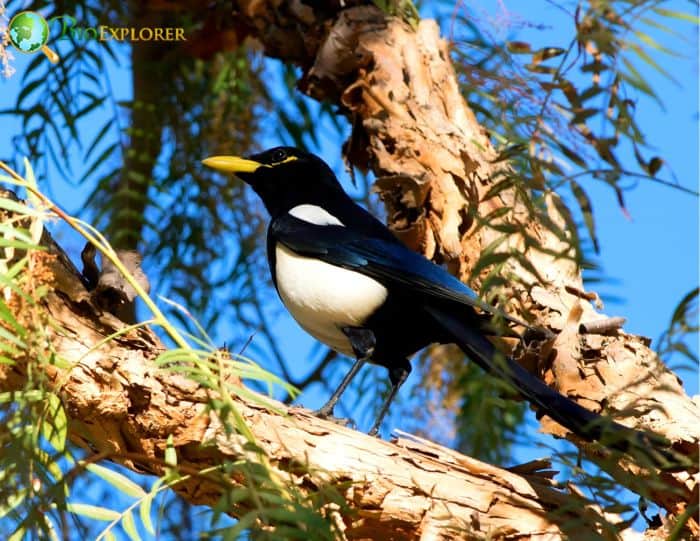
<point x="602" y="326"/>
<point x="588" y="295"/>
<point x="247" y="343"/>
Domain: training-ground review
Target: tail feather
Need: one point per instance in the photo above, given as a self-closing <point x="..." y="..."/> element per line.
<point x="582" y="422"/>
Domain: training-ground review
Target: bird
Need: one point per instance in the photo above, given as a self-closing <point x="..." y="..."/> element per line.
<point x="354" y="286"/>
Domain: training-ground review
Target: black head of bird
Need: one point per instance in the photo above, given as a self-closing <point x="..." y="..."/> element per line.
<point x="283" y="177"/>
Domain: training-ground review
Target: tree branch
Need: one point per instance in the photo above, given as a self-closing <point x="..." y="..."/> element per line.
<point x="122" y="407"/>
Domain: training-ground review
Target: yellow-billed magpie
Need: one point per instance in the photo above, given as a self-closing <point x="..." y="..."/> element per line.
<point x="350" y="283"/>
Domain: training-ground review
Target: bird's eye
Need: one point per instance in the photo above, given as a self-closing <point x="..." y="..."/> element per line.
<point x="279" y="155"/>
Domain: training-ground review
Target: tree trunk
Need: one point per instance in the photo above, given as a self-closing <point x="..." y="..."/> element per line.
<point x="128" y="206"/>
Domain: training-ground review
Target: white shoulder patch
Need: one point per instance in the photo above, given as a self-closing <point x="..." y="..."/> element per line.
<point x="314" y="215"/>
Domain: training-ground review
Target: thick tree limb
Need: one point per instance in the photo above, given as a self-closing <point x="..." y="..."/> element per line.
<point x="122" y="407"/>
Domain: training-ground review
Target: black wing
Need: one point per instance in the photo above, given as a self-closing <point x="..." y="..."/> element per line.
<point x="387" y="261"/>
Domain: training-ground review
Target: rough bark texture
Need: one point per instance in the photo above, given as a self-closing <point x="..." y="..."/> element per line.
<point x="122" y="407"/>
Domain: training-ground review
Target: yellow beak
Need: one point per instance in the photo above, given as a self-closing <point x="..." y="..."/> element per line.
<point x="232" y="164"/>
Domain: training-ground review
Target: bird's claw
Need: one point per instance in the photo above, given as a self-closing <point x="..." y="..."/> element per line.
<point x="328" y="416"/>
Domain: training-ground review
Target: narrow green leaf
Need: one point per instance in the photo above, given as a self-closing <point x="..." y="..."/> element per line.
<point x="651" y="42"/>
<point x="7" y="335"/>
<point x="581" y="115"/>
<point x="11" y="230"/>
<point x="571" y="154"/>
<point x="546" y="53"/>
<point x="17" y="207"/>
<point x="635" y="78"/>
<point x="106" y="153"/>
<point x="18" y="534"/>
<point x="488" y="260"/>
<point x="170" y="453"/>
<point x="587" y="210"/>
<point x="68" y="117"/>
<point x="518" y="47"/>
<point x="92" y="511"/>
<point x="34" y="64"/>
<point x="9" y="319"/>
<point x="664" y="28"/>
<point x="688" y="17"/>
<point x="245" y="522"/>
<point x="130" y="526"/>
<point x="538" y="68"/>
<point x="686" y="305"/>
<point x="145" y="512"/>
<point x="118" y="481"/>
<point x="641" y="53"/>
<point x="27" y="90"/>
<point x="50" y="463"/>
<point x="12" y="500"/>
<point x="55" y="425"/>
<point x="53" y="534"/>
<point x="528" y="266"/>
<point x="591" y="92"/>
<point x="16" y="269"/>
<point x="33" y="395"/>
<point x="498" y="187"/>
<point x="90" y="107"/>
<point x="17" y="244"/>
<point x="98" y="138"/>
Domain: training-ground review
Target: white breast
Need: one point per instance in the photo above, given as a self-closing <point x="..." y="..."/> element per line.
<point x="324" y="298"/>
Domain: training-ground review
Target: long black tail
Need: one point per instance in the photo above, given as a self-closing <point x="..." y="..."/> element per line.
<point x="582" y="422"/>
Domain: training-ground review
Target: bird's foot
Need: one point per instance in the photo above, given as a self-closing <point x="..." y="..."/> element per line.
<point x="374" y="433"/>
<point x="327" y="415"/>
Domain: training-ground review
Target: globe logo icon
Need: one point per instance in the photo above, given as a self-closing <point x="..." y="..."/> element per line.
<point x="29" y="32"/>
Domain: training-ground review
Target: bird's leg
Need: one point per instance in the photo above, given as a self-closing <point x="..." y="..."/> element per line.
<point x="362" y="342"/>
<point x="397" y="375"/>
<point x="326" y="411"/>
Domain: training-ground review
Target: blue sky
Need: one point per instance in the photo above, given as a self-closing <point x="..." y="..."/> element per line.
<point x="649" y="261"/>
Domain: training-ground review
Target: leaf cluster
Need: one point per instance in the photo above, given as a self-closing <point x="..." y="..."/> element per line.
<point x="40" y="467"/>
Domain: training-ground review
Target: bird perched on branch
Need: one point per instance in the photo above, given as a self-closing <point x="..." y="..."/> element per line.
<point x="350" y="283"/>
